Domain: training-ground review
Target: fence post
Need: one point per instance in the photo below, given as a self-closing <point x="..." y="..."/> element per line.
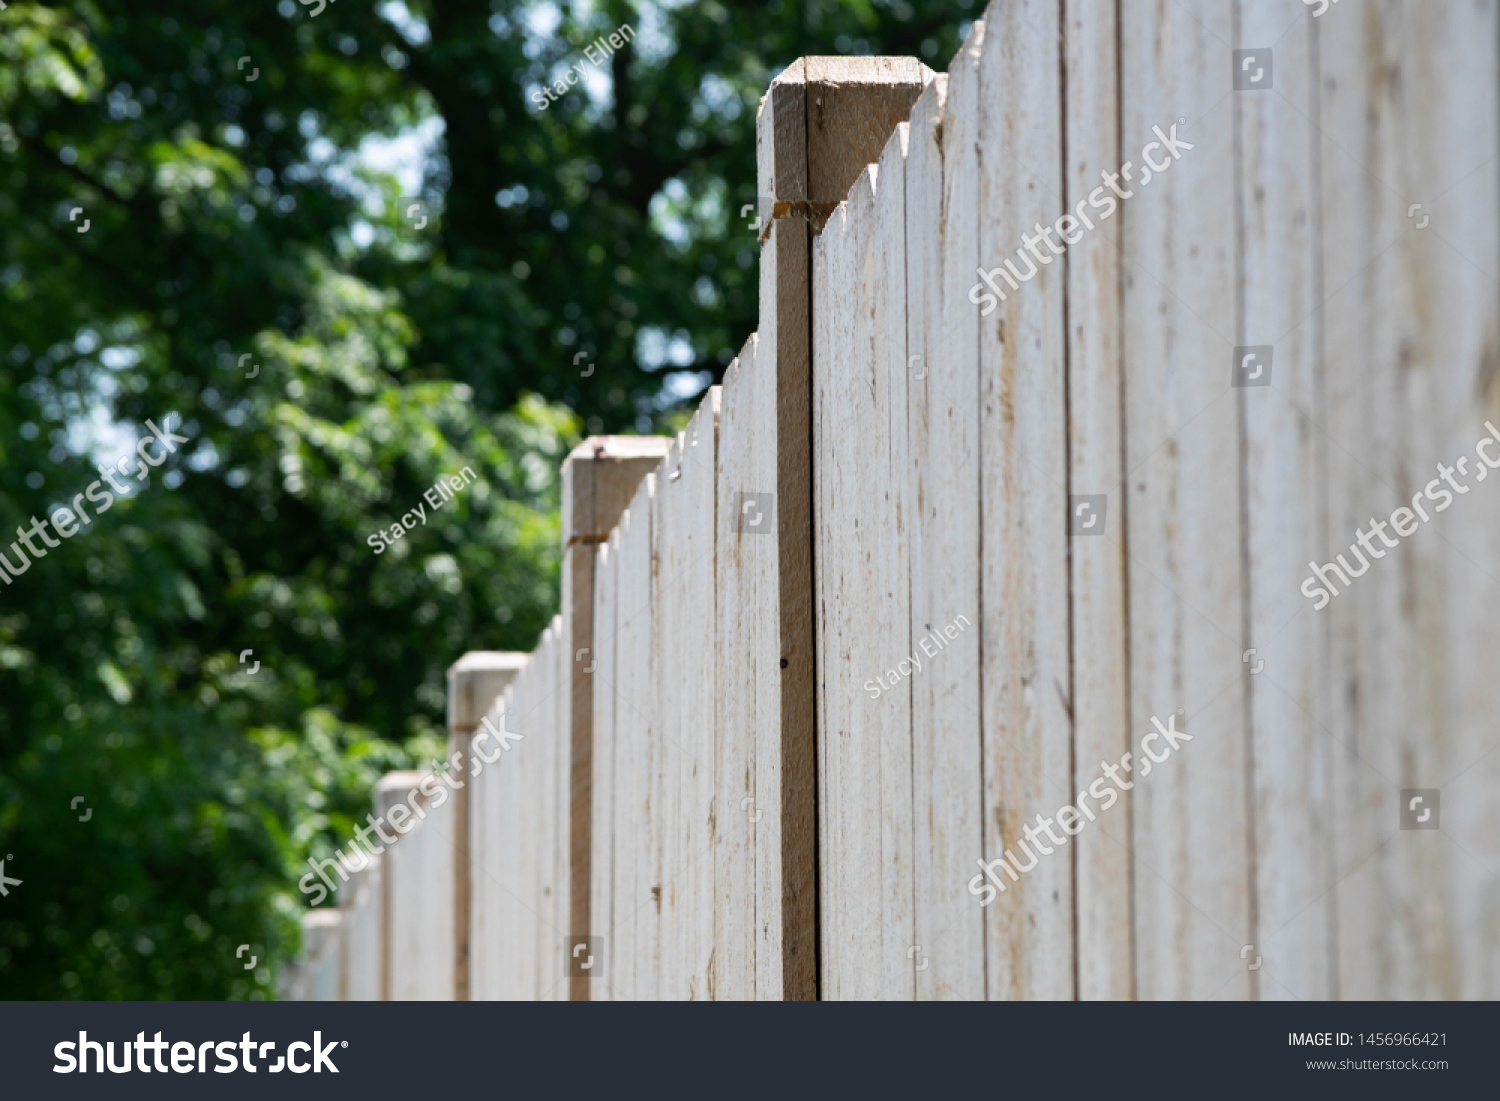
<point x="475" y="681"/>
<point x="599" y="478"/>
<point x="822" y="122"/>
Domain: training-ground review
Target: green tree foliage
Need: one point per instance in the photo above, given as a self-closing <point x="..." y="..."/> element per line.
<point x="193" y="232"/>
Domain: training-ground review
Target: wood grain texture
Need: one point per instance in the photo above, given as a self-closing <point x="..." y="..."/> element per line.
<point x="363" y="941"/>
<point x="1410" y="354"/>
<point x="418" y="877"/>
<point x="784" y="354"/>
<point x="823" y="121"/>
<point x="1186" y="580"/>
<point x="883" y="270"/>
<point x="475" y="682"/>
<point x="1099" y="627"/>
<point x="858" y="382"/>
<point x="602" y="789"/>
<point x="550" y="834"/>
<point x="737" y="810"/>
<point x="699" y="693"/>
<point x="1013" y="94"/>
<point x="637" y="916"/>
<point x="1289" y="750"/>
<point x="598" y="478"/>
<point x="667" y="618"/>
<point x="520" y="798"/>
<point x="942" y="478"/>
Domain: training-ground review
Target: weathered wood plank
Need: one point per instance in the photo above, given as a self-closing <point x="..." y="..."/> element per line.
<point x="475" y="682"/>
<point x="943" y="493"/>
<point x="699" y="695"/>
<point x="1186" y="583"/>
<point x="883" y="271"/>
<point x="521" y="797"/>
<point x="637" y="917"/>
<point x="821" y="123"/>
<point x="667" y="532"/>
<point x="598" y="478"/>
<point x="864" y="616"/>
<point x="739" y="562"/>
<point x="418" y="880"/>
<point x="552" y="845"/>
<point x="1024" y="578"/>
<point x="1408" y="116"/>
<point x="1291" y="825"/>
<point x="1100" y="685"/>
<point x="602" y="668"/>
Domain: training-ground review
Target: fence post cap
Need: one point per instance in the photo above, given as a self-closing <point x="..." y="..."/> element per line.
<point x="475" y="681"/>
<point x="598" y="448"/>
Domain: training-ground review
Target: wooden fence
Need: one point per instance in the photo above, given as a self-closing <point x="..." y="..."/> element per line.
<point x="955" y="542"/>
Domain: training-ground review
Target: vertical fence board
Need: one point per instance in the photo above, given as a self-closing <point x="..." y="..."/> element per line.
<point x="699" y="690"/>
<point x="943" y="478"/>
<point x="667" y="531"/>
<point x="521" y="794"/>
<point x="484" y="841"/>
<point x="363" y="941"/>
<point x="620" y="949"/>
<point x="1290" y="824"/>
<point x="884" y="277"/>
<point x="1411" y="353"/>
<point x="551" y="834"/>
<point x="864" y="613"/>
<point x="1191" y="864"/>
<point x="738" y="887"/>
<point x="637" y="921"/>
<point x="475" y="682"/>
<point x="602" y="833"/>
<point x="1026" y="673"/>
<point x="1099" y="692"/>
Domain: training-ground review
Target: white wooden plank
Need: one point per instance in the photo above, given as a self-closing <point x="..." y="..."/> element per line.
<point x="510" y="904"/>
<point x="522" y="794"/>
<point x="698" y="697"/>
<point x="620" y="947"/>
<point x="484" y="840"/>
<point x="360" y="901"/>
<point x="601" y="901"/>
<point x="1026" y="672"/>
<point x="1291" y="827"/>
<point x="738" y="814"/>
<point x="637" y="920"/>
<point x="883" y="271"/>
<point x="857" y="445"/>
<point x="943" y="476"/>
<point x="828" y="340"/>
<point x="1186" y="589"/>
<point x="1100" y="684"/>
<point x="1408" y="116"/>
<point x="777" y="873"/>
<point x="666" y="648"/>
<point x="550" y="838"/>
